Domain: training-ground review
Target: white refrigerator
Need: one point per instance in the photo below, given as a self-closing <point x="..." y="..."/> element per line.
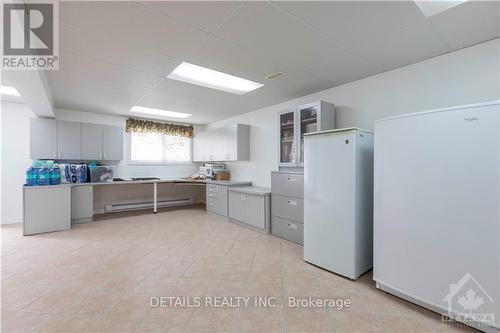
<point x="437" y="211"/>
<point x="338" y="201"/>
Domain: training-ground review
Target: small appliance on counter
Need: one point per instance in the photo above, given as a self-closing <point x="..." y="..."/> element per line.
<point x="210" y="171"/>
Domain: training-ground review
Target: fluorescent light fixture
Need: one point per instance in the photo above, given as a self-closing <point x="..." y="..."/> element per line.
<point x="11" y="91"/>
<point x="209" y="78"/>
<point x="432" y="7"/>
<point x="159" y="112"/>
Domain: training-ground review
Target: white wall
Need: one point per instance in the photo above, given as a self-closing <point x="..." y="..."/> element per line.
<point x="14" y="159"/>
<point x="466" y="76"/>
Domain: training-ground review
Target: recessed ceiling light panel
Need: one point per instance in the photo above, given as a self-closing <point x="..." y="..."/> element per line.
<point x="11" y="91"/>
<point x="159" y="112"/>
<point x="209" y="78"/>
<point x="430" y="8"/>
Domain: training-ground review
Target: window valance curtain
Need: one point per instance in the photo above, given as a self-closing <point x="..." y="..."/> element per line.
<point x="139" y="125"/>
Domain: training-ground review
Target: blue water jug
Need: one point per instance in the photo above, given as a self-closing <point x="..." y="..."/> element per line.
<point x="43" y="176"/>
<point x="31" y="176"/>
<point x="55" y="175"/>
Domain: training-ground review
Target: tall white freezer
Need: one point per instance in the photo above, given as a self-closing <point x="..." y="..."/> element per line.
<point x="338" y="201"/>
<point x="436" y="211"/>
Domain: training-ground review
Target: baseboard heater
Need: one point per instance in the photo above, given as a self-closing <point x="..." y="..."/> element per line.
<point x="111" y="208"/>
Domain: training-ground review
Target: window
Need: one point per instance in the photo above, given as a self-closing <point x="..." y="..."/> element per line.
<point x="156" y="148"/>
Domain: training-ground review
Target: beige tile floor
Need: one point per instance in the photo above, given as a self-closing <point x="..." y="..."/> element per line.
<point x="99" y="277"/>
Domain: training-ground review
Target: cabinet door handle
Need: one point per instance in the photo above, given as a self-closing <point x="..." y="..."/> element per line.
<point x="55" y="154"/>
<point x="103" y="155"/>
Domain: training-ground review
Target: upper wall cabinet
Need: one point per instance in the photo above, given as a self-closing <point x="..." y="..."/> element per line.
<point x="66" y="140"/>
<point x="43" y="138"/>
<point x="69" y="136"/>
<point x="112" y="143"/>
<point x="225" y="144"/>
<point x="294" y="123"/>
<point x="91" y="142"/>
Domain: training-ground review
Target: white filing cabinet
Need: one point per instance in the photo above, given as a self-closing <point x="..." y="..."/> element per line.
<point x="46" y="208"/>
<point x="287" y="205"/>
<point x="250" y="206"/>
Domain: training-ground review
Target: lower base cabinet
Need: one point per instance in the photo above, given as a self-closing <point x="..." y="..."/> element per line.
<point x="290" y="230"/>
<point x="46" y="209"/>
<point x="250" y="207"/>
<point x="82" y="204"/>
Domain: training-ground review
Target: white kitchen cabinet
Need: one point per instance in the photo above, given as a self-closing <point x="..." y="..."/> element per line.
<point x="294" y="123"/>
<point x="112" y="143"/>
<point x="91" y="142"/>
<point x="66" y="140"/>
<point x="250" y="206"/>
<point x="225" y="144"/>
<point x="82" y="204"/>
<point x="69" y="140"/>
<point x="46" y="208"/>
<point x="43" y="138"/>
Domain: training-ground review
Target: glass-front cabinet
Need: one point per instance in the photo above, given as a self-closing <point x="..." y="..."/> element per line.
<point x="294" y="123"/>
<point x="287" y="137"/>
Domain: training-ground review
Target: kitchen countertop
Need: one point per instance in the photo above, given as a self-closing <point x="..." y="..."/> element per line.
<point x="252" y="190"/>
<point x="165" y="180"/>
<point x="228" y="182"/>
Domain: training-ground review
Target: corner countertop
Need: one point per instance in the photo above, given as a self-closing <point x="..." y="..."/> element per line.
<point x="164" y="180"/>
<point x="229" y="182"/>
<point x="252" y="190"/>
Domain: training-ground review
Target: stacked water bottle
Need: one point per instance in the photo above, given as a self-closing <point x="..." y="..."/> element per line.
<point x="44" y="172"/>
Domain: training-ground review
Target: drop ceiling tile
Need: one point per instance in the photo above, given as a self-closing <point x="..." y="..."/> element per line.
<point x="276" y="34"/>
<point x="95" y="83"/>
<point x="74" y="66"/>
<point x="82" y="98"/>
<point x="469" y="23"/>
<point x="202" y="111"/>
<point x="411" y="45"/>
<point x="133" y="23"/>
<point x="111" y="50"/>
<point x="205" y="15"/>
<point x="347" y="21"/>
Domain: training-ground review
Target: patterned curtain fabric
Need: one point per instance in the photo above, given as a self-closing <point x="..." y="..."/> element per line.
<point x="139" y="125"/>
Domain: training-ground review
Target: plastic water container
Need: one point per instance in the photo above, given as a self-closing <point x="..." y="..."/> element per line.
<point x="31" y="176"/>
<point x="55" y="175"/>
<point x="43" y="176"/>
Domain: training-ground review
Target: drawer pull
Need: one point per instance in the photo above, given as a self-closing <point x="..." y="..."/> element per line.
<point x="292" y="226"/>
<point x="292" y="202"/>
<point x="210" y="204"/>
<point x="292" y="179"/>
